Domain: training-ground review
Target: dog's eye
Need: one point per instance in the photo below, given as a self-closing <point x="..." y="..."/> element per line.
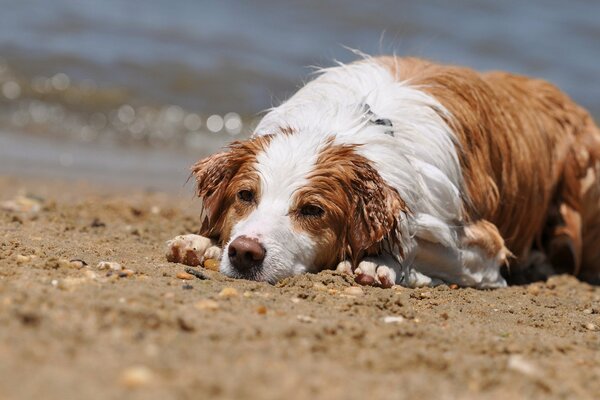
<point x="310" y="210"/>
<point x="246" y="195"/>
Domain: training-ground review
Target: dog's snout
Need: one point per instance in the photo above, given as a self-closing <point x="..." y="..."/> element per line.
<point x="245" y="253"/>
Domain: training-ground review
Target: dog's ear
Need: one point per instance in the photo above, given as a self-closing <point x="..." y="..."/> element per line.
<point x="213" y="175"/>
<point x="376" y="216"/>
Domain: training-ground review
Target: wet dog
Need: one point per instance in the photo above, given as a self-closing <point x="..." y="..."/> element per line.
<point x="403" y="171"/>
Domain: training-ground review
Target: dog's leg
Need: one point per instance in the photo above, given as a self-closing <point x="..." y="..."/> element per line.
<point x="192" y="249"/>
<point x="482" y="254"/>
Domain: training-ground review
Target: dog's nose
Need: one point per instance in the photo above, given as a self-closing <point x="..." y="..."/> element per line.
<point x="245" y="253"/>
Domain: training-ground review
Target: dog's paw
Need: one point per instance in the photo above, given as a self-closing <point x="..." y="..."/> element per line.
<point x="376" y="271"/>
<point x="191" y="249"/>
<point x="345" y="267"/>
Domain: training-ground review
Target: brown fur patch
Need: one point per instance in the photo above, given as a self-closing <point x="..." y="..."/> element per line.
<point x="362" y="212"/>
<point x="524" y="146"/>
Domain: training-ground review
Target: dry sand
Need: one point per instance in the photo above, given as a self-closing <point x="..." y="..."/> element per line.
<point x="68" y="332"/>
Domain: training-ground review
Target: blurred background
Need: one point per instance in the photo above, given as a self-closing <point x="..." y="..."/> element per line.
<point x="133" y="91"/>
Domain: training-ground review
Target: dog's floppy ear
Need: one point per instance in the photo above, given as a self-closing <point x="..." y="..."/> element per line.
<point x="212" y="175"/>
<point x="377" y="211"/>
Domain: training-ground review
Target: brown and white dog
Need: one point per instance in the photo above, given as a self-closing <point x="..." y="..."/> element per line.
<point x="404" y="171"/>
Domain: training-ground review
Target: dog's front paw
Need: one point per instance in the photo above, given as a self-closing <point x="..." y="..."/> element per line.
<point x="192" y="249"/>
<point x="372" y="271"/>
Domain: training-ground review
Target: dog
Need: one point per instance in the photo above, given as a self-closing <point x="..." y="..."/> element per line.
<point x="404" y="171"/>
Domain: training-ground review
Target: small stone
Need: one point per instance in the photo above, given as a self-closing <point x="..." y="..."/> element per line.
<point x="62" y="263"/>
<point x="21" y="259"/>
<point x="354" y="291"/>
<point x="22" y="204"/>
<point x="453" y="286"/>
<point x="262" y="310"/>
<point x="198" y="274"/>
<point x="588" y="311"/>
<point x="136" y="376"/>
<point x="206" y="304"/>
<point x="185" y="275"/>
<point x="533" y="290"/>
<point x="110" y="265"/>
<point x="126" y="273"/>
<point x="425" y="295"/>
<point x="228" y="292"/>
<point x="185" y="324"/>
<point x="305" y="318"/>
<point x="591" y="327"/>
<point x="211" y="264"/>
<point x="187" y="287"/>
<point x="519" y="364"/>
<point x="77" y="263"/>
<point x="393" y="319"/>
<point x="296" y="300"/>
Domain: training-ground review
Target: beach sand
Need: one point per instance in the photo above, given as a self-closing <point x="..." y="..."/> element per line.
<point x="68" y="331"/>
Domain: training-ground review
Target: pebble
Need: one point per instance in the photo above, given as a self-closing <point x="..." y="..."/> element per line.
<point x="262" y="310"/>
<point x="125" y="273"/>
<point x="198" y="274"/>
<point x="111" y="265"/>
<point x="393" y="319"/>
<point x="354" y="291"/>
<point x="22" y="204"/>
<point x="77" y="263"/>
<point x="136" y="376"/>
<point x="185" y="275"/>
<point x="533" y="289"/>
<point x="591" y="327"/>
<point x="425" y="295"/>
<point x="21" y="259"/>
<point x="211" y="264"/>
<point x="305" y="318"/>
<point x="519" y="364"/>
<point x="588" y="311"/>
<point x="206" y="304"/>
<point x="453" y="286"/>
<point x="228" y="292"/>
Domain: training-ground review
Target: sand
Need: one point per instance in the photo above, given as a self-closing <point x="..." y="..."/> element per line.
<point x="72" y="331"/>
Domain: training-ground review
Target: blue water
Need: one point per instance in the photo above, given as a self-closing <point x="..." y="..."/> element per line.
<point x="218" y="56"/>
<point x="138" y="68"/>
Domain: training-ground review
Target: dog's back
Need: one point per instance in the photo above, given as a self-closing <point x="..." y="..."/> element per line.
<point x="529" y="157"/>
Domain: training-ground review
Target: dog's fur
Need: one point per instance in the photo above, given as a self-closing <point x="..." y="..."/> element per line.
<point x="423" y="173"/>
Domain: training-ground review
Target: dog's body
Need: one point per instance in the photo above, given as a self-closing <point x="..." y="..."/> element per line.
<point x="404" y="171"/>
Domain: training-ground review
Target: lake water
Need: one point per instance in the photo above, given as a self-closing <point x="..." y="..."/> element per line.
<point x="180" y="78"/>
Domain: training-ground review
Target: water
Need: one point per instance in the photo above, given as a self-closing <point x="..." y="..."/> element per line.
<point x="130" y="73"/>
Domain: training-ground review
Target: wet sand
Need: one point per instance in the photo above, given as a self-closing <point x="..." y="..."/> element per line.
<point x="72" y="331"/>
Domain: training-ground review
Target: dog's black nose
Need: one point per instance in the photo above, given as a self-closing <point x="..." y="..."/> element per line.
<point x="245" y="253"/>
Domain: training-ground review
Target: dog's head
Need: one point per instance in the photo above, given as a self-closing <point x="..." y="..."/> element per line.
<point x="285" y="204"/>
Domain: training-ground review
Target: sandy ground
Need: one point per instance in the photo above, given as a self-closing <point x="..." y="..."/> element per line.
<point x="68" y="331"/>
